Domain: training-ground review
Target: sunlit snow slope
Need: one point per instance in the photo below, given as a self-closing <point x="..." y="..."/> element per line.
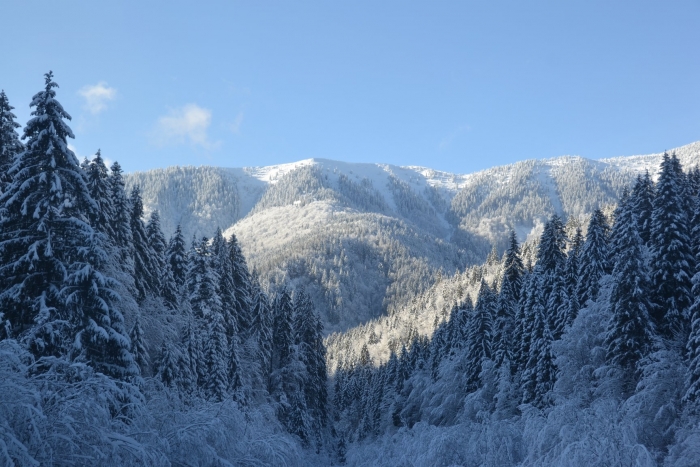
<point x="365" y="239"/>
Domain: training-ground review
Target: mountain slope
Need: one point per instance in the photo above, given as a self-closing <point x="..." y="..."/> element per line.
<point x="365" y="239"/>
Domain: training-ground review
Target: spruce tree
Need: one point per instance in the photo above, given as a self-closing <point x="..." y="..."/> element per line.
<point x="101" y="191"/>
<point x="480" y="328"/>
<point x="156" y="240"/>
<point x="202" y="280"/>
<point x="176" y="255"/>
<point x="539" y="374"/>
<point x="121" y="222"/>
<point x="168" y="366"/>
<point x="139" y="349"/>
<point x="241" y="283"/>
<point x="671" y="255"/>
<point x="216" y="351"/>
<point x="550" y="253"/>
<point x="10" y="145"/>
<point x="630" y="332"/>
<point x="262" y="326"/>
<point x="146" y="273"/>
<point x="568" y="314"/>
<point x="642" y="205"/>
<point x="594" y="261"/>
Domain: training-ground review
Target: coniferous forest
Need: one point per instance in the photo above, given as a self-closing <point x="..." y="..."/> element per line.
<point x="119" y="346"/>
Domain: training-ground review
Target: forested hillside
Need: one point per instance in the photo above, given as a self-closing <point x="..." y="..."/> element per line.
<point x="367" y="239"/>
<point x="589" y="356"/>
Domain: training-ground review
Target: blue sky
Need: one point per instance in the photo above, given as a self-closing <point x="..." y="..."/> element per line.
<point x="457" y="86"/>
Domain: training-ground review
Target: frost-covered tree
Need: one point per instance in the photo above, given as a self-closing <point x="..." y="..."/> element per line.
<point x="121" y="222"/>
<point x="176" y="255"/>
<point x="202" y="280"/>
<point x="216" y="357"/>
<point x="642" y="205"/>
<point x="594" y="259"/>
<point x="101" y="191"/>
<point x="672" y="262"/>
<point x="10" y="145"/>
<point x="167" y="367"/>
<point x="479" y="337"/>
<point x="139" y="347"/>
<point x="241" y="283"/>
<point x="158" y="246"/>
<point x="539" y="374"/>
<point x="550" y="253"/>
<point x="630" y="335"/>
<point x="146" y="271"/>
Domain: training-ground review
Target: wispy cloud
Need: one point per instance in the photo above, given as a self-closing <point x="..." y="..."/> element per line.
<point x="236" y="125"/>
<point x="187" y="124"/>
<point x="446" y="142"/>
<point x="97" y="96"/>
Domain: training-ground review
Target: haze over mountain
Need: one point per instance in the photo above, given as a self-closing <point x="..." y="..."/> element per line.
<point x="364" y="239"/>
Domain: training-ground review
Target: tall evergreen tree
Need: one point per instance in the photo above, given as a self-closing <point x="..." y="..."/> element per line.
<point x="642" y="205"/>
<point x="139" y="349"/>
<point x="480" y="328"/>
<point x="121" y="222"/>
<point x="630" y="332"/>
<point x="262" y="326"/>
<point x="550" y="254"/>
<point x="168" y="367"/>
<point x="176" y="255"/>
<point x="202" y="280"/>
<point x="539" y="375"/>
<point x="241" y="283"/>
<point x="672" y="263"/>
<point x="101" y="191"/>
<point x="146" y="273"/>
<point x="158" y="246"/>
<point x="54" y="292"/>
<point x="216" y="352"/>
<point x="10" y="145"/>
<point x="568" y="314"/>
<point x="594" y="262"/>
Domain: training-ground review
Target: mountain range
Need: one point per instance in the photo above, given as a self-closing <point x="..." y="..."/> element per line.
<point x="367" y="239"/>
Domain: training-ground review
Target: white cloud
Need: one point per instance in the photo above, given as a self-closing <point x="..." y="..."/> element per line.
<point x="236" y="125"/>
<point x="189" y="123"/>
<point x="97" y="96"/>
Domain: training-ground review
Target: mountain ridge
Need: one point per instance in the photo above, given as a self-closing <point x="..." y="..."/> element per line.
<point x="365" y="239"/>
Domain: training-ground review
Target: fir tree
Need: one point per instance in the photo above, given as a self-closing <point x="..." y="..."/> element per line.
<point x="479" y="335"/>
<point x="567" y="314"/>
<point x="594" y="262"/>
<point x="168" y="368"/>
<point x="101" y="192"/>
<point x="202" y="281"/>
<point x="216" y="375"/>
<point x="262" y="326"/>
<point x="139" y="349"/>
<point x="642" y="205"/>
<point x="630" y="332"/>
<point x="550" y="254"/>
<point x="176" y="255"/>
<point x="671" y="256"/>
<point x="121" y="222"/>
<point x="146" y="273"/>
<point x="241" y="282"/>
<point x="10" y="145"/>
<point x="158" y="246"/>
<point x="539" y="374"/>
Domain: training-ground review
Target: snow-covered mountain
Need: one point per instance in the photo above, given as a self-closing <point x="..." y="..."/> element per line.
<point x="365" y="239"/>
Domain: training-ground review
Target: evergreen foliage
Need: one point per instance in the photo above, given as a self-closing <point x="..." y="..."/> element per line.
<point x="672" y="263"/>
